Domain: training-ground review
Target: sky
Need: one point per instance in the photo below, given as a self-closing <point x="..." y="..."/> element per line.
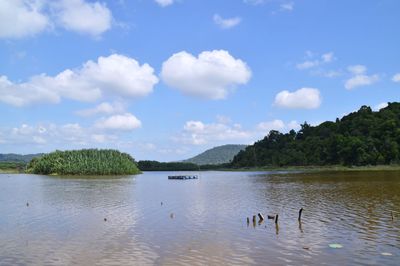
<point x="167" y="79"/>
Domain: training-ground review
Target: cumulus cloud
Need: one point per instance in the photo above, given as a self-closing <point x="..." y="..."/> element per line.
<point x="125" y="121"/>
<point x="114" y="75"/>
<point x="359" y="77"/>
<point x="83" y="17"/>
<point x="24" y="18"/>
<point x="304" y="98"/>
<point x="396" y="78"/>
<point x="271" y="125"/>
<point x="199" y="133"/>
<point x="21" y="18"/>
<point x="226" y="23"/>
<point x="211" y="75"/>
<point x="164" y="3"/>
<point x="71" y="135"/>
<point x="103" y="108"/>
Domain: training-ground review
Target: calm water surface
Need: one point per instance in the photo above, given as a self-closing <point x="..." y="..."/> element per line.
<point x="200" y="222"/>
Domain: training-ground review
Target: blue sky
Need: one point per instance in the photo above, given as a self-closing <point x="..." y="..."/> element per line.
<point x="167" y="79"/>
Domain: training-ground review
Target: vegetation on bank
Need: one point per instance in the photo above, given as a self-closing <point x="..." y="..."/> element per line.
<point x="84" y="162"/>
<point x="12" y="167"/>
<point x="177" y="166"/>
<point x="217" y="155"/>
<point x="359" y="139"/>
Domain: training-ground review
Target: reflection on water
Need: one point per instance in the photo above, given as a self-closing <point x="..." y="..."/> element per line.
<point x="148" y="219"/>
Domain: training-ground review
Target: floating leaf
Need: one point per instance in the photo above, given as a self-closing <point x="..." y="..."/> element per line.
<point x="335" y="246"/>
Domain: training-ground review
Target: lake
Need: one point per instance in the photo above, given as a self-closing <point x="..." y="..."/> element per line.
<point x="152" y="220"/>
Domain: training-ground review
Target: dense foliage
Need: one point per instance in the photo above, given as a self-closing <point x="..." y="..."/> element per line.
<point x="160" y="166"/>
<point x="360" y="138"/>
<point x="12" y="166"/>
<point x="217" y="155"/>
<point x="84" y="162"/>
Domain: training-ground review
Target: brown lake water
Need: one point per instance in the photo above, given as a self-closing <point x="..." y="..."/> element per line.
<point x="201" y="222"/>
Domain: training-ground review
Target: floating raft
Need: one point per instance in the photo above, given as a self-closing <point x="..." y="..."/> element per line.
<point x="182" y="177"/>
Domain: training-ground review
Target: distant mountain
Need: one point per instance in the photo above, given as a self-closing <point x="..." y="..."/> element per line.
<point x="11" y="157"/>
<point x="217" y="155"/>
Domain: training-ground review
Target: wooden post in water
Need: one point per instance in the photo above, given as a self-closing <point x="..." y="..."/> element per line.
<point x="260" y="216"/>
<point x="300" y="211"/>
<point x="276" y="219"/>
<point x="248" y="221"/>
<point x="391" y="213"/>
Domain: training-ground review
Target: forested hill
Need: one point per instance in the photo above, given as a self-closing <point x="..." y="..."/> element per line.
<point x="11" y="157"/>
<point x="217" y="155"/>
<point x="360" y="138"/>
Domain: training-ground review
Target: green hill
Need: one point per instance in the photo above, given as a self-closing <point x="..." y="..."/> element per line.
<point x="12" y="157"/>
<point x="360" y="138"/>
<point x="217" y="155"/>
<point x="84" y="162"/>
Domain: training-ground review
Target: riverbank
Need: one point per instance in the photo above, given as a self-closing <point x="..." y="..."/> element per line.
<point x="318" y="168"/>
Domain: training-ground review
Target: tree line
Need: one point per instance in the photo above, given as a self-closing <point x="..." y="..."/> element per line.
<point x="361" y="138"/>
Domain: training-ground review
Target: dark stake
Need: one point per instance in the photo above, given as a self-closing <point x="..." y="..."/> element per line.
<point x="105" y="219"/>
<point x="27" y="205"/>
<point x="300" y="211"/>
<point x="254" y="219"/>
<point x="260" y="216"/>
<point x="161" y="203"/>
<point x="391" y="213"/>
<point x="248" y="221"/>
<point x="300" y="227"/>
<point x="276" y="219"/>
<point x="270" y="217"/>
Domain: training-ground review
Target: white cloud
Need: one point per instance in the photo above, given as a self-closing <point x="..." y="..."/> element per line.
<point x="324" y="59"/>
<point x="293" y="125"/>
<point x="115" y="75"/>
<point x="52" y="136"/>
<point x="211" y="75"/>
<point x="396" y="78"/>
<point x="265" y="127"/>
<point x="24" y="18"/>
<point x="83" y="17"/>
<point x="359" y="77"/>
<point x="357" y="69"/>
<point x="226" y="23"/>
<point x="271" y="125"/>
<point x="289" y="6"/>
<point x="164" y="3"/>
<point x="103" y="108"/>
<point x="21" y="18"/>
<point x="328" y="57"/>
<point x="380" y="106"/>
<point x="125" y="121"/>
<point x="307" y="64"/>
<point x="304" y="98"/>
<point x="254" y="2"/>
<point x="198" y="133"/>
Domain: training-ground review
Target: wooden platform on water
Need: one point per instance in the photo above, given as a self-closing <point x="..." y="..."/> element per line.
<point x="182" y="177"/>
